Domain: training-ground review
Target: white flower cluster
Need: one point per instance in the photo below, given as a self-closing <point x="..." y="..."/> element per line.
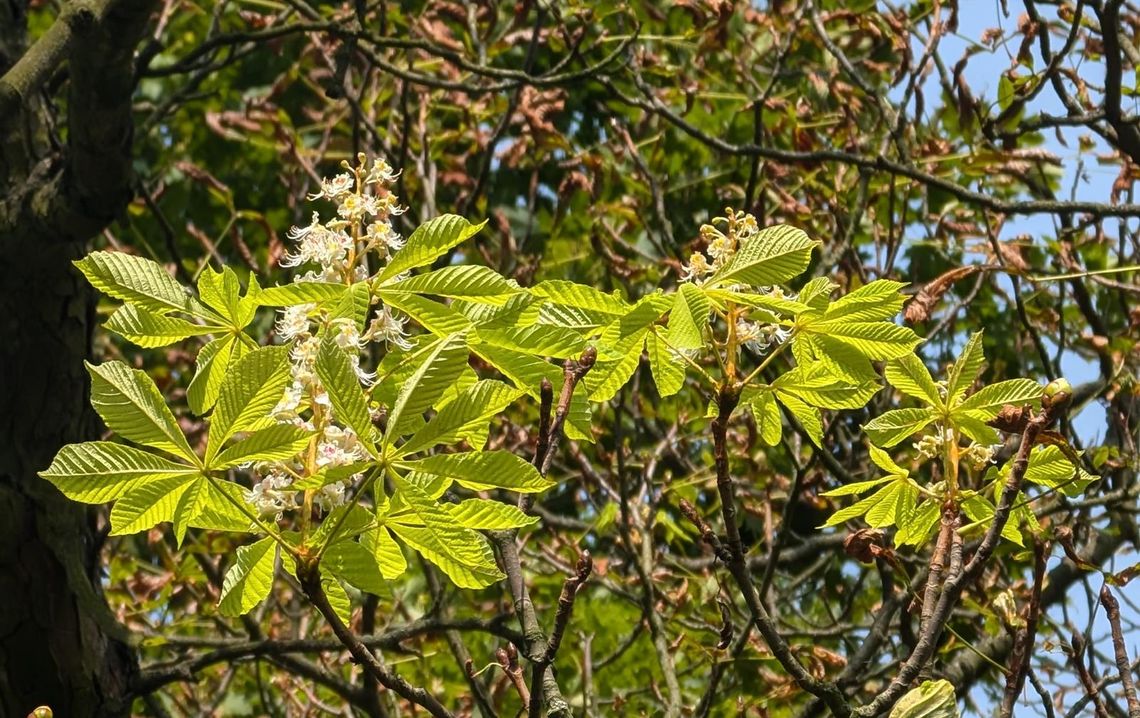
<point x="976" y="455"/>
<point x="721" y="246"/>
<point x="760" y="337"/>
<point x="342" y="249"/>
<point x="930" y="445"/>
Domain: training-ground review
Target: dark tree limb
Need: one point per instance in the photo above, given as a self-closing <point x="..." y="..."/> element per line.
<point x="310" y="579"/>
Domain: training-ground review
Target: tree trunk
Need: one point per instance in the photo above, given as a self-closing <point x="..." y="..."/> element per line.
<point x="56" y="633"/>
<point x="59" y="643"/>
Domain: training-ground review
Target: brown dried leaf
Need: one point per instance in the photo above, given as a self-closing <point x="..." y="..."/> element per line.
<point x="919" y="308"/>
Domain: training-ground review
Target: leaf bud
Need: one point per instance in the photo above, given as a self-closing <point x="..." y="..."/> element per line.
<point x="1057" y="393"/>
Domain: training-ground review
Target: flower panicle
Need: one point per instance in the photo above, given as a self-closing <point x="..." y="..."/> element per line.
<point x="345" y="248"/>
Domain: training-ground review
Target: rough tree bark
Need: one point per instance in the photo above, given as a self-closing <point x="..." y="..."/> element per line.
<point x="59" y="644"/>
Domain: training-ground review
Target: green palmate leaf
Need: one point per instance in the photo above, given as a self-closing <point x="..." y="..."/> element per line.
<point x="884" y="461"/>
<point x="247" y="306"/>
<point x="439" y="319"/>
<point x="873" y="340"/>
<point x="96" y="472"/>
<point x="772" y="256"/>
<point x="527" y="372"/>
<point x="688" y="318"/>
<point x="148" y="504"/>
<point x="225" y="509"/>
<point x="965" y="369"/>
<point x="576" y="306"/>
<point x="273" y="443"/>
<point x="343" y="523"/>
<point x="1049" y="467"/>
<point x="221" y="291"/>
<point x="932" y="699"/>
<point x="540" y="339"/>
<point x="608" y="377"/>
<point x="580" y="296"/>
<point x="895" y="507"/>
<point x="213" y="362"/>
<point x="839" y="358"/>
<point x="132" y="407"/>
<point x="429" y="241"/>
<point x="619" y="335"/>
<point x="252" y="386"/>
<point x="972" y="423"/>
<point x="816" y="293"/>
<point x="981" y="511"/>
<point x="148" y="329"/>
<point x="141" y="282"/>
<point x="767" y="415"/>
<point x="910" y="376"/>
<point x="519" y="310"/>
<point x="338" y="376"/>
<point x="769" y="302"/>
<point x="385" y="551"/>
<point x="807" y="416"/>
<point x="818" y="386"/>
<point x="857" y="487"/>
<point x="250" y="579"/>
<point x="920" y="525"/>
<point x="357" y="566"/>
<point x="991" y="398"/>
<point x="190" y="505"/>
<point x="481" y="470"/>
<point x="353" y="305"/>
<point x="438" y="365"/>
<point x="468" y="411"/>
<point x="338" y="598"/>
<point x="468" y="281"/>
<point x="299" y="293"/>
<point x="486" y="515"/>
<point x="891" y="427"/>
<point x="460" y="552"/>
<point x="668" y="368"/>
<point x="880" y="300"/>
<point x="891" y="505"/>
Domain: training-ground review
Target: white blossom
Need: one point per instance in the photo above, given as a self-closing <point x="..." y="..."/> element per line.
<point x="335" y="188"/>
<point x="294" y="321"/>
<point x="272" y="495"/>
<point x="381" y="173"/>
<point x="388" y="329"/>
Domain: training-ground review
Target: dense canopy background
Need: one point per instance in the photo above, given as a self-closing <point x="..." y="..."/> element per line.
<point x="985" y="153"/>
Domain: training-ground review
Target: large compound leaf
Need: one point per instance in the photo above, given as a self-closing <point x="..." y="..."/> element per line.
<point x="460" y="552"/>
<point x="132" y="407"/>
<point x="429" y="241"/>
<point x="338" y="376"/>
<point x="910" y="376"/>
<point x="139" y="281"/>
<point x="772" y="256"/>
<point x="96" y="472"/>
<point x="250" y="579"/>
<point x="481" y="470"/>
<point x="472" y="407"/>
<point x="149" y="329"/>
<point x="469" y="281"/>
<point x="439" y="366"/>
<point x="251" y="388"/>
<point x="891" y="427"/>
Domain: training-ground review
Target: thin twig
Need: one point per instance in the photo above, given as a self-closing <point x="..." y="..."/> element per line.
<point x="1112" y="610"/>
